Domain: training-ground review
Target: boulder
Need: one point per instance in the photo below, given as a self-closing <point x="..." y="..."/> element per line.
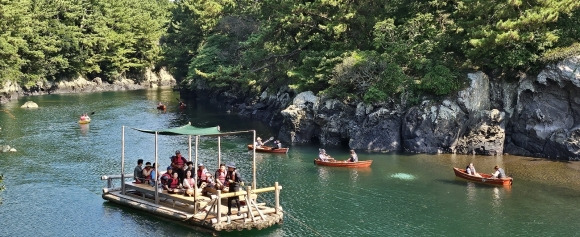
<point x="29" y="104"/>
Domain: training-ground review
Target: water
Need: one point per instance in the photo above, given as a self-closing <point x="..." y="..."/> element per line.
<point x="53" y="184"/>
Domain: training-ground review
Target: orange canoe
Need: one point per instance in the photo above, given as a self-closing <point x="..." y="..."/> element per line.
<point x="161" y="107"/>
<point x="335" y="163"/>
<point x="267" y="149"/>
<point x="485" y="178"/>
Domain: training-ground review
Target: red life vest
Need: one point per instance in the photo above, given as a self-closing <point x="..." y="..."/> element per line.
<point x="201" y="175"/>
<point x="178" y="161"/>
<point x="174" y="183"/>
<point x="221" y="176"/>
<point x="164" y="180"/>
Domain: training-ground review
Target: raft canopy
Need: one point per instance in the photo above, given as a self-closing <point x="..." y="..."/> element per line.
<point x="190" y="130"/>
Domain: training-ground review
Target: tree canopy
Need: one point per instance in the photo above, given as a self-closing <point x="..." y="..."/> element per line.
<point x="375" y="51"/>
<point x="368" y="50"/>
<point x="58" y="39"/>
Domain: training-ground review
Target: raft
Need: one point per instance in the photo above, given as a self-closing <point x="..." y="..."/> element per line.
<point x="205" y="209"/>
<point x="335" y="163"/>
<point x="485" y="178"/>
<point x="268" y="149"/>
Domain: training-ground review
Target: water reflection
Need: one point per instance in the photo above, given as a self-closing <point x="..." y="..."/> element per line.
<point x="471" y="192"/>
<point x="496" y="200"/>
<point x="84" y="129"/>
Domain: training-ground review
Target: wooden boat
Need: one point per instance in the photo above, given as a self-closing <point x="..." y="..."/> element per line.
<point x="335" y="163"/>
<point x="161" y="107"/>
<point x="85" y="121"/>
<point x="485" y="178"/>
<point x="268" y="149"/>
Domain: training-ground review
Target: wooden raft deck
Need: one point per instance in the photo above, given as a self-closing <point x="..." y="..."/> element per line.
<point x="209" y="213"/>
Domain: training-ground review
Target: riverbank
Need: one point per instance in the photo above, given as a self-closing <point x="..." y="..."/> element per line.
<point x="148" y="80"/>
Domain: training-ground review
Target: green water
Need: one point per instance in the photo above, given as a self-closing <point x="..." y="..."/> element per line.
<point x="53" y="185"/>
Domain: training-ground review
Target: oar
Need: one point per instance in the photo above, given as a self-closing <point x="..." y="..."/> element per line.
<point x="269" y="139"/>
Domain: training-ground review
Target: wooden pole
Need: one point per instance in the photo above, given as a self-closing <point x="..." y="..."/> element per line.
<point x="277" y="197"/>
<point x="218" y="207"/>
<point x="189" y="140"/>
<point x="219" y="152"/>
<point x="195" y="164"/>
<point x="156" y="171"/>
<point x="249" y="202"/>
<point x="123" y="161"/>
<point x="254" y="161"/>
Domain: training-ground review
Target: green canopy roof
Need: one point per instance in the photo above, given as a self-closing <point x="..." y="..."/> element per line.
<point x="188" y="130"/>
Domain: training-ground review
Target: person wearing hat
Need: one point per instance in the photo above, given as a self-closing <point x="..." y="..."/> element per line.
<point x="202" y="174"/>
<point x="138" y="172"/>
<point x="177" y="163"/>
<point x="322" y="155"/>
<point x="147" y="172"/>
<point x="166" y="177"/>
<point x="258" y="142"/>
<point x="234" y="180"/>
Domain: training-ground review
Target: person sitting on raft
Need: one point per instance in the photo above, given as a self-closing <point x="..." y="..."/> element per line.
<point x="147" y="172"/>
<point x="173" y="185"/>
<point x="166" y="177"/>
<point x="189" y="183"/>
<point x="138" y="172"/>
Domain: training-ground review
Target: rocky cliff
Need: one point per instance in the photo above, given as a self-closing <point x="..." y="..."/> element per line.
<point x="533" y="116"/>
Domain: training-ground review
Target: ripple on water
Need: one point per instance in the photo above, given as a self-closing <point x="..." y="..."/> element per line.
<point x="403" y="176"/>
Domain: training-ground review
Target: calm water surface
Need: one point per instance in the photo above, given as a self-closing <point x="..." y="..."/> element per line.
<point x="53" y="185"/>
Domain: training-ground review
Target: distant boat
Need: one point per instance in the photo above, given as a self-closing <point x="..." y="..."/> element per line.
<point x="268" y="149"/>
<point x="87" y="120"/>
<point x="485" y="178"/>
<point x="161" y="107"/>
<point x="335" y="163"/>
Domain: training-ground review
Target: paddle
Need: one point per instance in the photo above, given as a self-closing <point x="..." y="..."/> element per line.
<point x="269" y="139"/>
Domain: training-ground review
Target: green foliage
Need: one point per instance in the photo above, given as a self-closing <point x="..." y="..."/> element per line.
<point x="54" y="40"/>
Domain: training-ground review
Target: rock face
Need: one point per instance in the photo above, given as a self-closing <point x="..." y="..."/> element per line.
<point x="546" y="121"/>
<point x="148" y="79"/>
<point x="536" y="116"/>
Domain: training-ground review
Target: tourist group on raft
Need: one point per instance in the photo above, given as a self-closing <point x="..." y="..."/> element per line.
<point x="180" y="178"/>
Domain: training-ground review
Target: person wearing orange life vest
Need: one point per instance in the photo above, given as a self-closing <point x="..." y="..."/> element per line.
<point x="177" y="163"/>
<point x="166" y="177"/>
<point x="202" y="174"/>
<point x="220" y="177"/>
<point x="173" y="184"/>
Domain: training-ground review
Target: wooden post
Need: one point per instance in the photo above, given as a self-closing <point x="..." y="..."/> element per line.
<point x="189" y="141"/>
<point x="156" y="172"/>
<point x="219" y="152"/>
<point x="254" y="161"/>
<point x="219" y="206"/>
<point x="277" y="197"/>
<point x="123" y="161"/>
<point x="249" y="202"/>
<point x="195" y="165"/>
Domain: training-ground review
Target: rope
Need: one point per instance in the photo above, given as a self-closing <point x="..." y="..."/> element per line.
<point x="293" y="218"/>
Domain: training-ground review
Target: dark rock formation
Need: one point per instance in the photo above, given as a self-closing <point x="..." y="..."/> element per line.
<point x="546" y="120"/>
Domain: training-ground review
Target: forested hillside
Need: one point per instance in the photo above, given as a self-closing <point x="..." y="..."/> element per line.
<point x="371" y="50"/>
<point x="367" y="50"/>
<point x="59" y="39"/>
